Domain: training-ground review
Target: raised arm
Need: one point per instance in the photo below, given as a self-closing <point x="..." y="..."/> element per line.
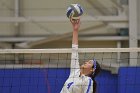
<point x="74" y="57"/>
<point x="76" y="25"/>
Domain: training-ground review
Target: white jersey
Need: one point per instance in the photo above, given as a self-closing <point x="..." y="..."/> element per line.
<point x="76" y="83"/>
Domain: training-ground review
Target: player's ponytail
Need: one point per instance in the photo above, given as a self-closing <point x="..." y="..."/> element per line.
<point x="97" y="69"/>
<point x="94" y="85"/>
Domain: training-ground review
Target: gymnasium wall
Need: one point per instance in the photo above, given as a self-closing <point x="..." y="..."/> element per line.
<point x="129" y="80"/>
<point x="51" y="80"/>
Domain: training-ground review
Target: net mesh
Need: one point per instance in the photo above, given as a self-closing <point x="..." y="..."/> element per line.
<point x="46" y="70"/>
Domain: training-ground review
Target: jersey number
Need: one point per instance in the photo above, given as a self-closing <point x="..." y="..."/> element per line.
<point x="69" y="85"/>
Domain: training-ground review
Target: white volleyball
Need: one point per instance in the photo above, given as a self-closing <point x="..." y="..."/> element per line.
<point x="74" y="11"/>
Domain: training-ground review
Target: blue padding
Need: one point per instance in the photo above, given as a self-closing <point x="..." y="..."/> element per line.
<point x="107" y="83"/>
<point x="47" y="81"/>
<point x="57" y="77"/>
<point x="129" y="80"/>
<point x="32" y="80"/>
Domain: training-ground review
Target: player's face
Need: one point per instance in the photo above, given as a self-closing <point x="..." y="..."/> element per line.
<point x="87" y="67"/>
<point x="88" y="64"/>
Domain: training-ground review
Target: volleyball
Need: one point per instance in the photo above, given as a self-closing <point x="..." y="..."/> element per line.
<point x="74" y="11"/>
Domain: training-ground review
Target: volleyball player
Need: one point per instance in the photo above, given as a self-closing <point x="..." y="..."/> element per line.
<point x="81" y="78"/>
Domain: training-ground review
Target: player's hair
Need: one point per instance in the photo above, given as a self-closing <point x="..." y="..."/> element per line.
<point x="94" y="74"/>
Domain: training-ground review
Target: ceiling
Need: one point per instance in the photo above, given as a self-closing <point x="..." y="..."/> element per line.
<point x="29" y="23"/>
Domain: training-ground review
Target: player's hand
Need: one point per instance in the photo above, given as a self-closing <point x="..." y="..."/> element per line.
<point x="75" y="24"/>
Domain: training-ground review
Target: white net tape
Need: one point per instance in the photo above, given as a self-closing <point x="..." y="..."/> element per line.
<point x="60" y="58"/>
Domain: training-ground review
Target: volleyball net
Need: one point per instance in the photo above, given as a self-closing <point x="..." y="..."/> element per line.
<point x="45" y="70"/>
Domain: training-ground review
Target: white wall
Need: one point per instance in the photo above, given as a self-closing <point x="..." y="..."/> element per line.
<point x="6" y="10"/>
<point x="138" y="16"/>
<point x="43" y="8"/>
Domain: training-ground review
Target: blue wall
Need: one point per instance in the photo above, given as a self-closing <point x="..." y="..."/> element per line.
<point x="129" y="80"/>
<point x="51" y="81"/>
<point x="107" y="82"/>
<point x="32" y="80"/>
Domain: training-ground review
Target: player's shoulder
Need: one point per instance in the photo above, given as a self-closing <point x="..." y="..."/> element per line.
<point x="76" y="73"/>
<point x="87" y="78"/>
